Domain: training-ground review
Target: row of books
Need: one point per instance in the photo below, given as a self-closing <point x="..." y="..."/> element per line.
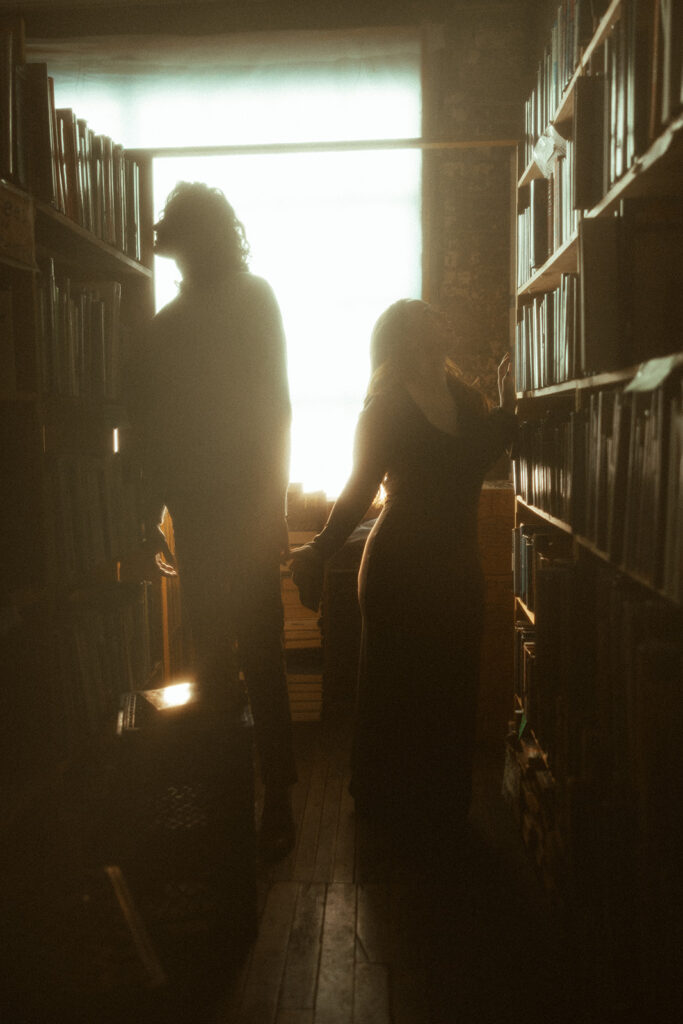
<point x="59" y="158"/>
<point x="612" y="472"/>
<point x="94" y="516"/>
<point x="593" y="634"/>
<point x="543" y="671"/>
<point x="572" y="28"/>
<point x="631" y="90"/>
<point x="647" y="476"/>
<point x="629" y="292"/>
<point x="534" y="544"/>
<point x="96" y="183"/>
<point x="545" y="458"/>
<point x="598" y="677"/>
<point x="79" y="335"/>
<point x="635" y="87"/>
<point x="550" y="220"/>
<point x="627" y="480"/>
<point x="547" y="337"/>
<point x="103" y="650"/>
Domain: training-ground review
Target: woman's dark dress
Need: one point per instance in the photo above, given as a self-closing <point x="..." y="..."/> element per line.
<point x="421" y="596"/>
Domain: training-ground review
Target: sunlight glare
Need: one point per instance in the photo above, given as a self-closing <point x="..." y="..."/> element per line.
<point x="338" y="236"/>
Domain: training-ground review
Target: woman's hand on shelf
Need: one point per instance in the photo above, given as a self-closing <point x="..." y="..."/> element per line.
<point x="506" y="384"/>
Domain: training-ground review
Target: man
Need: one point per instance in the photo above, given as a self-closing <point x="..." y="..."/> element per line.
<point x="209" y="400"/>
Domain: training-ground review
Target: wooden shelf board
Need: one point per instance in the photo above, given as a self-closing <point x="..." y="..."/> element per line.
<point x="531" y="171"/>
<point x="546" y="516"/>
<point x="565" y="108"/>
<point x="531" y="615"/>
<point x="10" y="261"/>
<point x="596" y="380"/>
<point x="593" y="549"/>
<point x="48" y="219"/>
<point x="641" y="178"/>
<point x="563" y="261"/>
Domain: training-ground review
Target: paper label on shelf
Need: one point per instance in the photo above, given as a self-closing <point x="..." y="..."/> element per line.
<point x="16" y="225"/>
<point x="549" y="148"/>
<point x="654" y="372"/>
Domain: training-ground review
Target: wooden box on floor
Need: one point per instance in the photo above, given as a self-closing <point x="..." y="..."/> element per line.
<point x="303" y="645"/>
<point x="182" y="827"/>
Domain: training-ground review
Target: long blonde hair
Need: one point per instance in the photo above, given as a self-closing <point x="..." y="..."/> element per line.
<point x="392" y="338"/>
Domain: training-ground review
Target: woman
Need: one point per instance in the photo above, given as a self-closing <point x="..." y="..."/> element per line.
<point x="430" y="438"/>
<point x="210" y="403"/>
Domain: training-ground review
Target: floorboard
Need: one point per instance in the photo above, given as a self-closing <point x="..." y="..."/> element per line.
<point x="353" y="932"/>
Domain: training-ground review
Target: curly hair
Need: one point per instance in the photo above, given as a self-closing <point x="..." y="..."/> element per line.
<point x="199" y="224"/>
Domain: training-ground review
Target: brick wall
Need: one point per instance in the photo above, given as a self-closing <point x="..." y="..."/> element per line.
<point x="475" y="89"/>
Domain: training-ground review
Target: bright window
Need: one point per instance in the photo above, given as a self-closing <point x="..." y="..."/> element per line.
<point x="338" y="237"/>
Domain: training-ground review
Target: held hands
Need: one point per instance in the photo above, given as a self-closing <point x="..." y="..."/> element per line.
<point x="308" y="572"/>
<point x="506" y="384"/>
<point x="152" y="559"/>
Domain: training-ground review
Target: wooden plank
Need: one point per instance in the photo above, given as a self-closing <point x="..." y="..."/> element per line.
<point x="327" y="835"/>
<point x="310" y="825"/>
<point x="563" y="261"/>
<point x="334" y="1001"/>
<point x="262" y="988"/>
<point x="303" y="956"/>
<point x="295" y="1017"/>
<point x="306" y="716"/>
<point x="345" y="847"/>
<point x="371" y="994"/>
<point x="306" y="748"/>
<point x="409" y="995"/>
<point x="375" y="932"/>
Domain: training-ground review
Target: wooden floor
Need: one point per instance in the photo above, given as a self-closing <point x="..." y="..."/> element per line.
<point x="352" y="930"/>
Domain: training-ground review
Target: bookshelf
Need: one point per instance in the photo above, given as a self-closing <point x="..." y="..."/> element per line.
<point x="302" y="636"/>
<point x="77" y="627"/>
<point x="593" y="763"/>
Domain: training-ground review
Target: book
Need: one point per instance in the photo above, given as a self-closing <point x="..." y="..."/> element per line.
<point x="600" y="335"/>
<point x="651" y="267"/>
<point x="119" y="180"/>
<point x="12" y="57"/>
<point x="20" y="128"/>
<point x="672" y="576"/>
<point x="6" y="104"/>
<point x="538" y="191"/>
<point x="42" y="176"/>
<point x="588" y="140"/>
<point x="640" y="43"/>
<point x="68" y="152"/>
<point x="132" y="207"/>
<point x="617" y="470"/>
<point x="8" y="369"/>
<point x="670" y="43"/>
<point x="84" y="136"/>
